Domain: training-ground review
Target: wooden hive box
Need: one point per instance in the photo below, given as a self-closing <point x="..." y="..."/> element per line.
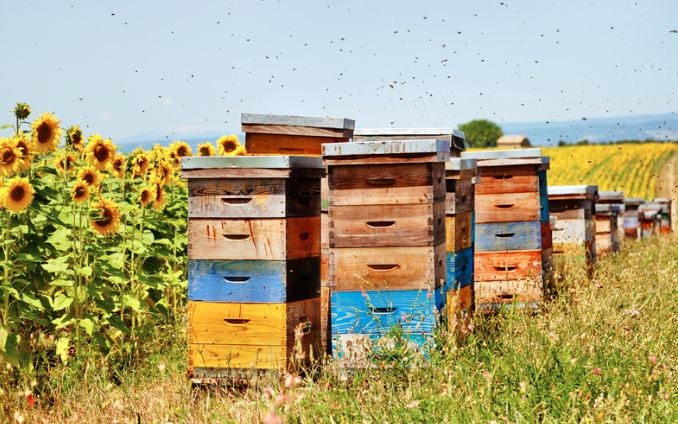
<point x="631" y="218"/>
<point x="455" y="137"/>
<point x="616" y="199"/>
<point x="650" y="218"/>
<point x="267" y="134"/>
<point x="461" y="175"/>
<point x="387" y="224"/>
<point x="574" y="232"/>
<point x="253" y="249"/>
<point x="249" y="335"/>
<point x="665" y="212"/>
<point x="366" y="350"/>
<point x="512" y="229"/>
<point x="606" y="226"/>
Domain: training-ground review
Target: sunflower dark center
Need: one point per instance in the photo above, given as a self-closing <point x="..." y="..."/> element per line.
<point x="17" y="193"/>
<point x="229" y="146"/>
<point x="108" y="217"/>
<point x="7" y="155"/>
<point x="76" y="138"/>
<point x="89" y="178"/>
<point x="181" y="151"/>
<point x="80" y="191"/>
<point x="205" y="151"/>
<point x="23" y="147"/>
<point x="44" y="133"/>
<point x="144" y="196"/>
<point x="101" y="153"/>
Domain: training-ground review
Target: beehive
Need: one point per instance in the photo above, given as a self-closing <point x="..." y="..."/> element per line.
<point x="386" y="237"/>
<point x="454" y="136"/>
<point x="665" y="211"/>
<point x="650" y="218"/>
<point x="512" y="230"/>
<point x="617" y="208"/>
<point x="631" y="218"/>
<point x="254" y="260"/>
<point x="607" y="235"/>
<point x="460" y="177"/>
<point x="575" y="230"/>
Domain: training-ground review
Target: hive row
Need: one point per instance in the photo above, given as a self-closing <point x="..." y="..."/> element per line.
<point x="293" y="255"/>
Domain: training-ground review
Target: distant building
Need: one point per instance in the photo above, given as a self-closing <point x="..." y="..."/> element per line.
<point x="513" y="141"/>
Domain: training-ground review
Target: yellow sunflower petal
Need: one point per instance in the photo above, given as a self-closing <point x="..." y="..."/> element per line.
<point x="46" y="133"/>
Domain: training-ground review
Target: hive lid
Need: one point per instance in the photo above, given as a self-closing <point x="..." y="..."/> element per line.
<point x="503" y="154"/>
<point x="608" y="207"/>
<point x="456" y="164"/>
<point x="249" y="162"/>
<point x="634" y="201"/>
<point x="392" y="147"/>
<point x="298" y="121"/>
<point x="568" y="190"/>
<point x="453" y="135"/>
<point x="611" y="196"/>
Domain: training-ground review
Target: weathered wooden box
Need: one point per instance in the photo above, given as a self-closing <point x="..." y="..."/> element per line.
<point x="455" y="137"/>
<point x="249" y="335"/>
<point x="574" y="231"/>
<point x="293" y="135"/>
<point x="631" y="218"/>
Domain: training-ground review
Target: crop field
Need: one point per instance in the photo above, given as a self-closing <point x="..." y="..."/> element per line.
<point x="94" y="321"/>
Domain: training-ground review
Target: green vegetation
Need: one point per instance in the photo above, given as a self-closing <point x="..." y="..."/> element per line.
<point x="602" y="350"/>
<point x="481" y="133"/>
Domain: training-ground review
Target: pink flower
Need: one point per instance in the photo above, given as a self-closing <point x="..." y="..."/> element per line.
<point x="292" y="381"/>
<point x="429" y="294"/>
<point x="272" y="418"/>
<point x="269" y="392"/>
<point x="281" y="399"/>
<point x="412" y="404"/>
<point x="653" y="359"/>
<point x="596" y="371"/>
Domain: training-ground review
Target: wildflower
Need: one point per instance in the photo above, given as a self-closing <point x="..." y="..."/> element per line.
<point x="429" y="294"/>
<point x="80" y="192"/>
<point x="146" y="196"/>
<point x="292" y="381"/>
<point x="140" y="164"/>
<point x="229" y="145"/>
<point x="10" y="156"/>
<point x="26" y="147"/>
<point x="281" y="399"/>
<point x="553" y="335"/>
<point x="111" y="218"/>
<point x="181" y="149"/>
<point x="272" y="418"/>
<point x="66" y="163"/>
<point x="412" y="404"/>
<point x="22" y="111"/>
<point x="74" y="138"/>
<point x="522" y="386"/>
<point x="46" y="133"/>
<point x="206" y="149"/>
<point x="100" y="152"/>
<point x="270" y="392"/>
<point x="163" y="172"/>
<point x="596" y="371"/>
<point x="119" y="166"/>
<point x="90" y="176"/>
<point x="17" y="194"/>
<point x="653" y="359"/>
<point x="632" y="312"/>
<point x="31" y="402"/>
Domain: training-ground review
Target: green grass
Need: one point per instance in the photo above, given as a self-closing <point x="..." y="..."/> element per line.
<point x="602" y="350"/>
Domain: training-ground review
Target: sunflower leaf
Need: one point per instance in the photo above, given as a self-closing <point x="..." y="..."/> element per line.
<point x="6" y="126"/>
<point x="88" y="325"/>
<point x="32" y="300"/>
<point x="62" y="302"/>
<point x="62" y="348"/>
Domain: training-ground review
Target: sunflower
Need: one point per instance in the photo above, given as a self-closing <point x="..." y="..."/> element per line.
<point x="46" y="133"/>
<point x="100" y="152"/>
<point x="90" y="176"/>
<point x="227" y="144"/>
<point x="119" y="166"/>
<point x="17" y="194"/>
<point x="80" y="192"/>
<point x="140" y="164"/>
<point x="10" y="156"/>
<point x="159" y="199"/>
<point x="67" y="161"/>
<point x="146" y="196"/>
<point x="22" y="111"/>
<point x="74" y="138"/>
<point x="26" y="147"/>
<point x="181" y="149"/>
<point x="206" y="149"/>
<point x="163" y="172"/>
<point x="111" y="218"/>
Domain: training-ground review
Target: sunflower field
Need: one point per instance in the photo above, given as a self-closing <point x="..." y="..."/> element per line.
<point x="632" y="168"/>
<point x="93" y="242"/>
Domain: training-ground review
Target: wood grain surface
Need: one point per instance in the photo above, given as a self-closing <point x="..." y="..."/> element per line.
<point x="507" y="207"/>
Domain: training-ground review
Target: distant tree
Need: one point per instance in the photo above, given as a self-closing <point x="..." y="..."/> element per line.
<point x="481" y="133"/>
<point x="583" y="142"/>
<point x="562" y="143"/>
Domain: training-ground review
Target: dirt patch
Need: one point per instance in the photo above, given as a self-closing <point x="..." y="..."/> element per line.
<point x="666" y="186"/>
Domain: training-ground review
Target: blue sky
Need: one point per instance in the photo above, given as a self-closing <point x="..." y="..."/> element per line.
<point x="178" y="69"/>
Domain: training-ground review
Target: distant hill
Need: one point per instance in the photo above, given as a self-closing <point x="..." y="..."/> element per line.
<point x="147" y="141"/>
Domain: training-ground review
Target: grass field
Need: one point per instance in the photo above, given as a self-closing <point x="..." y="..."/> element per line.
<point x="601" y="350"/>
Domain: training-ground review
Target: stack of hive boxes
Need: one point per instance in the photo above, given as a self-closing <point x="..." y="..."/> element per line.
<point x="609" y="221"/>
<point x="631" y="218"/>
<point x="300" y="135"/>
<point x="650" y="217"/>
<point x="575" y="230"/>
<point x="665" y="227"/>
<point x="254" y="260"/>
<point x="461" y="175"/>
<point x="387" y="242"/>
<point x="512" y="229"/>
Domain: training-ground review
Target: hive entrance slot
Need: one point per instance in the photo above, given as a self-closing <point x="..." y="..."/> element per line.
<point x="236" y="280"/>
<point x="380" y="224"/>
<point x="506" y="268"/>
<point x="505" y="235"/>
<point x="236" y="237"/>
<point x="383" y="267"/>
<point x="380" y="181"/>
<point x="504" y="206"/>
<point x="382" y="311"/>
<point x="236" y="200"/>
<point x="233" y="321"/>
